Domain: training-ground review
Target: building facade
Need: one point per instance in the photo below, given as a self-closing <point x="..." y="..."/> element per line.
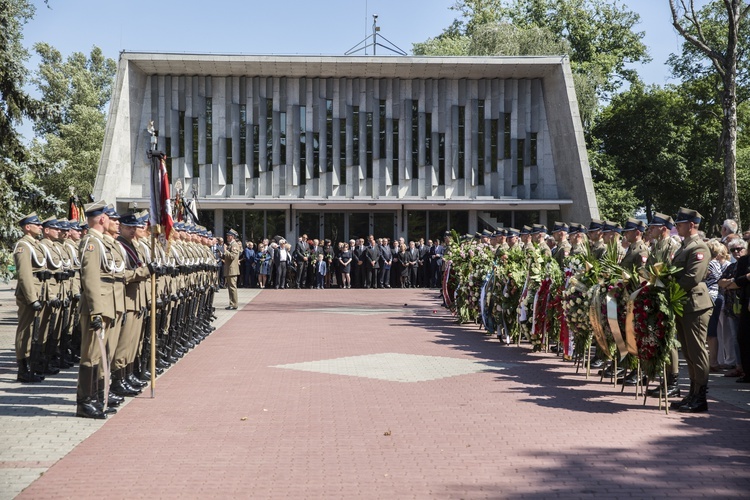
<point x="345" y="146"/>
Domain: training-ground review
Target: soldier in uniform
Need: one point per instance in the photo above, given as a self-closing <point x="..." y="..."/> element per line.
<point x="598" y="248"/>
<point x="136" y="275"/>
<point x="611" y="233"/>
<point x="71" y="347"/>
<point x="232" y="266"/>
<point x="578" y="239"/>
<point x="538" y="240"/>
<point x="512" y="238"/>
<point x="636" y="255"/>
<point x="663" y="249"/>
<point x="692" y="258"/>
<point x="98" y="311"/>
<point x="525" y="235"/>
<point x="54" y="297"/>
<point x="30" y="267"/>
<point x="560" y="233"/>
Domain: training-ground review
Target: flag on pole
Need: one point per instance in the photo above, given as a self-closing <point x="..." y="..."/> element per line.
<point x="73" y="212"/>
<point x="161" y="203"/>
<point x="190" y="210"/>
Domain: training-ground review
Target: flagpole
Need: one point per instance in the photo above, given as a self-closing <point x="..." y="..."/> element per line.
<point x="154" y="229"/>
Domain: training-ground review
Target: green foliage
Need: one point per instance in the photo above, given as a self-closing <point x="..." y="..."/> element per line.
<point x="18" y="193"/>
<point x="79" y="87"/>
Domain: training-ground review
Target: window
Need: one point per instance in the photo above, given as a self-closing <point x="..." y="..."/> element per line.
<point x="493" y="145"/>
<point x="428" y="138"/>
<point x="209" y="129"/>
<point x="256" y="151"/>
<point x="520" y="162"/>
<point x="196" y="168"/>
<point x="181" y="136"/>
<point x="480" y="140"/>
<point x="229" y="163"/>
<point x="381" y="131"/>
<point x="506" y="135"/>
<point x="329" y="135"/>
<point x="269" y="134"/>
<point x="168" y="152"/>
<point x="342" y="154"/>
<point x="243" y="134"/>
<point x="415" y="139"/>
<point x="355" y="135"/>
<point x="396" y="171"/>
<point x="441" y="159"/>
<point x="368" y="138"/>
<point x="461" y="142"/>
<point x="302" y="145"/>
<point x="316" y="155"/>
<point x="282" y="138"/>
<point x="532" y="149"/>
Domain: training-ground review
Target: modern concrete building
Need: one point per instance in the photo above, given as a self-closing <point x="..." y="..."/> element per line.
<point x="346" y="146"/>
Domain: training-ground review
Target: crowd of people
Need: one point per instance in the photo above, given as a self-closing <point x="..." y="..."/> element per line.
<point x="84" y="297"/>
<point x="637" y="291"/>
<point x="358" y="263"/>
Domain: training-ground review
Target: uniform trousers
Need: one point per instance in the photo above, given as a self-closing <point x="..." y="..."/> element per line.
<point x="25" y="329"/>
<point x="130" y="338"/>
<point x="691" y="332"/>
<point x="90" y="353"/>
<point x="231" y="282"/>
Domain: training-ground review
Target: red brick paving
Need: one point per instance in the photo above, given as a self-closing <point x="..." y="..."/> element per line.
<point x="224" y="423"/>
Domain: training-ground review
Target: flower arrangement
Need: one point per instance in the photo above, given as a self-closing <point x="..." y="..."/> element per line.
<point x="653" y="309"/>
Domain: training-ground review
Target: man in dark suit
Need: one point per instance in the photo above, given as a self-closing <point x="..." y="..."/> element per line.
<point x="371" y="263"/>
<point x="281" y="258"/>
<point x="301" y="256"/>
<point x="315" y="250"/>
<point x="358" y="269"/>
<point x="386" y="260"/>
<point x="436" y="264"/>
<point x="423" y="265"/>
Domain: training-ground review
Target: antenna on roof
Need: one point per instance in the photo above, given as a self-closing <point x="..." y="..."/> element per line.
<point x="372" y="41"/>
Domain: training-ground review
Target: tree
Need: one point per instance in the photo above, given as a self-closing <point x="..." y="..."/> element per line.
<point x="79" y="87"/>
<point x="659" y="139"/>
<point x="699" y="29"/>
<point x="18" y="192"/>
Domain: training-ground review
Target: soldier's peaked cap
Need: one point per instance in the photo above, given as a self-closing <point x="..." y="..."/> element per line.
<point x="560" y="226"/>
<point x="131" y="219"/>
<point x="31" y="218"/>
<point x="94" y="209"/>
<point x="632" y="224"/>
<point x="660" y="219"/>
<point x="688" y="215"/>
<point x="50" y="222"/>
<point x="538" y="228"/>
<point x="596" y="225"/>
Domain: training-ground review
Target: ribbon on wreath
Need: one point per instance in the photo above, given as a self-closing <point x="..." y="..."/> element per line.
<point x="595" y="316"/>
<point x="614" y="326"/>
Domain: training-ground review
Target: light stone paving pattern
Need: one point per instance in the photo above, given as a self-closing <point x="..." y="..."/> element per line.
<point x="395" y="367"/>
<point x="359" y="311"/>
<point x="37" y="421"/>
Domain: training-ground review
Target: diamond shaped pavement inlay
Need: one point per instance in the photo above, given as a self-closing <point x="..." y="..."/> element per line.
<point x="396" y="367"/>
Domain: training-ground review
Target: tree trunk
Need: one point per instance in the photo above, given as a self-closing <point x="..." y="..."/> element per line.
<point x="729" y="126"/>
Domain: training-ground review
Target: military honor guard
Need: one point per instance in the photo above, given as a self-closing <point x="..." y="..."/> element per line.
<point x="232" y="266"/>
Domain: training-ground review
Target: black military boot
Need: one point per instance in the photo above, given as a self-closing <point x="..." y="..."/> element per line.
<point x="25" y="374"/>
<point x="120" y="386"/>
<point x="66" y="357"/>
<point x="687" y="399"/>
<point x="673" y="387"/>
<point x="698" y="403"/>
<point x="632" y="379"/>
<point x="132" y="379"/>
<point x="87" y="406"/>
<point x="113" y="400"/>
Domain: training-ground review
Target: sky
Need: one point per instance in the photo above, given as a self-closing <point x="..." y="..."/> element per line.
<point x="306" y="27"/>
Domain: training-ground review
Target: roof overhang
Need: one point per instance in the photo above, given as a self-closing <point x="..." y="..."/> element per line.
<point x="407" y="67"/>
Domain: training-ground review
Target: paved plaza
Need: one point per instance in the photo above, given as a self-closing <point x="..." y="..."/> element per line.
<point x="341" y="394"/>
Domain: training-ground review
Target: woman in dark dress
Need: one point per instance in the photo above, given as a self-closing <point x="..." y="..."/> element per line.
<point x="403" y="260"/>
<point x="345" y="262"/>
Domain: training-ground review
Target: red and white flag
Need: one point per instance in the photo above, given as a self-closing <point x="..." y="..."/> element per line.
<point x="161" y="203"/>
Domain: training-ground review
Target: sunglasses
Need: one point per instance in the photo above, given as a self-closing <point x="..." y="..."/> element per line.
<point x="736" y="250"/>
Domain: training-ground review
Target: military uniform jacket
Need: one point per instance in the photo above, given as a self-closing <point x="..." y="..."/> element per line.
<point x="118" y="271"/>
<point x="54" y="258"/>
<point x="29" y="259"/>
<point x="97" y="279"/>
<point x="135" y="277"/>
<point x="598" y="249"/>
<point x="663" y="251"/>
<point x="635" y="256"/>
<point x="693" y="258"/>
<point x="232" y="259"/>
<point x="563" y="250"/>
<point x="580" y="249"/>
<point x="75" y="265"/>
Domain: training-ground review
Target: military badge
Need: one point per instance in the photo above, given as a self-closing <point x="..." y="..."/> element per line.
<point x="90" y="248"/>
<point x="699" y="256"/>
